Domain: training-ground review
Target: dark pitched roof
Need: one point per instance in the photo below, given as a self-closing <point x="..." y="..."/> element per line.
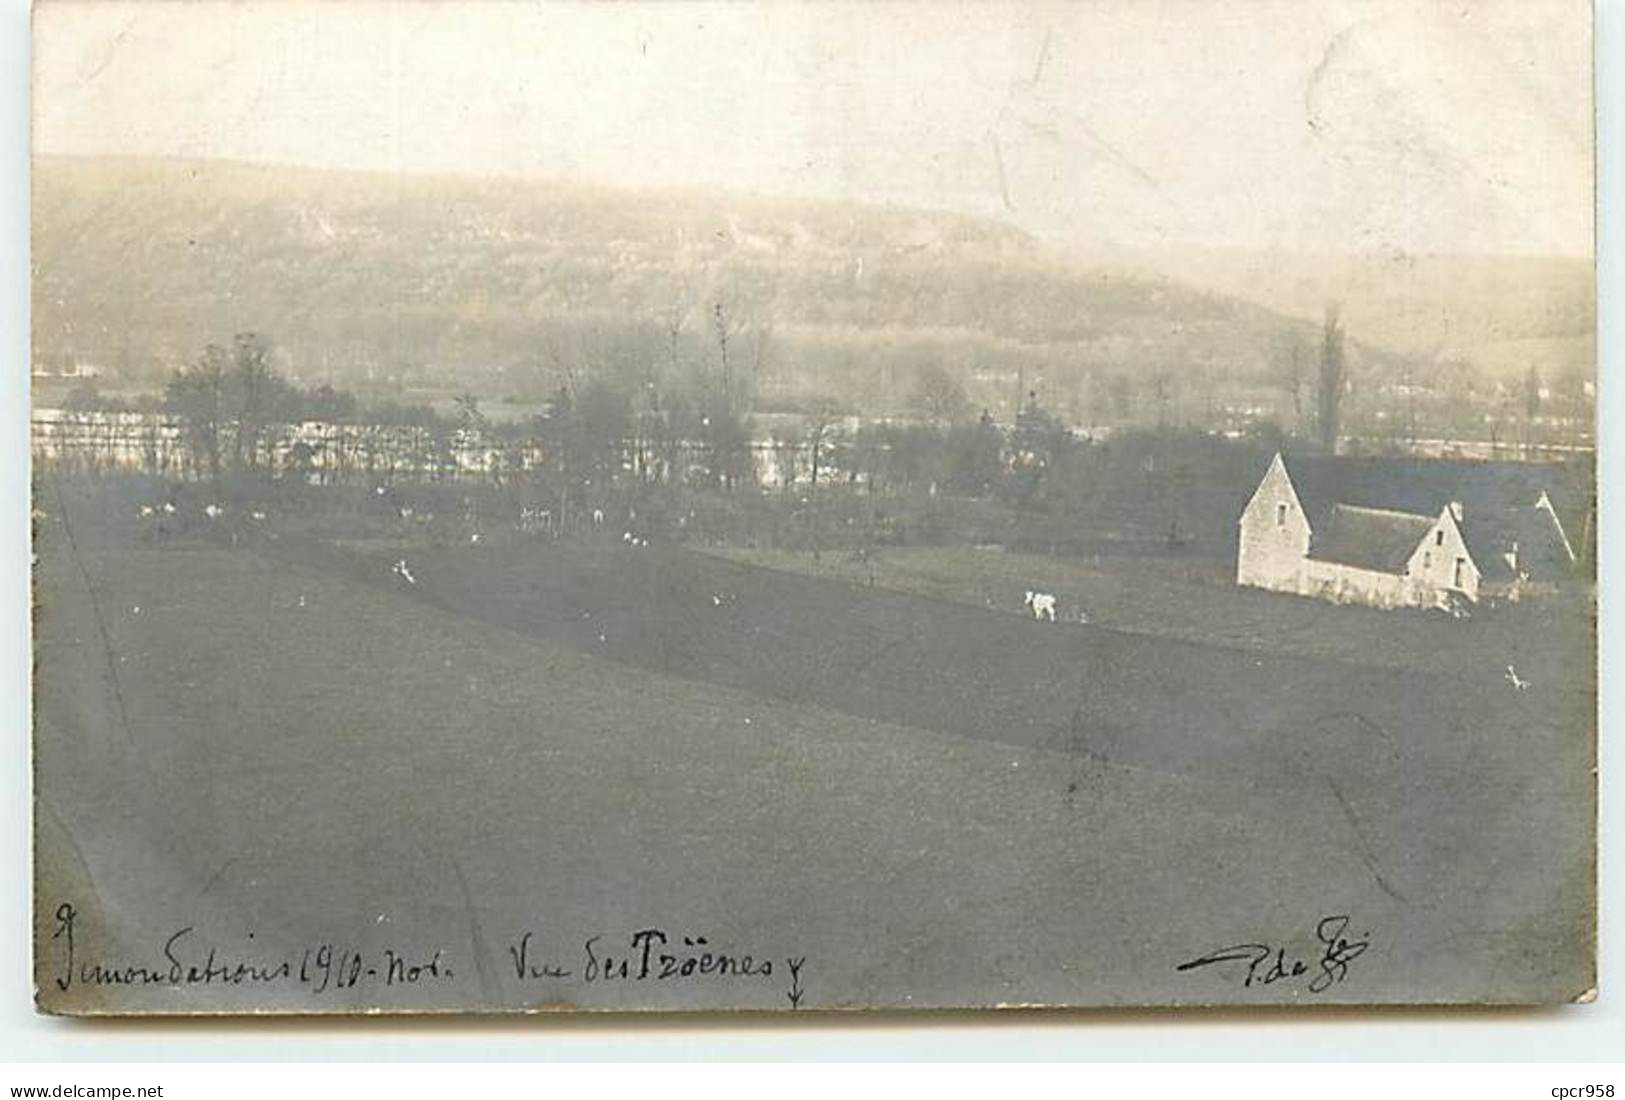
<point x="1426" y="486"/>
<point x="1370" y="538"/>
<point x="1492" y="535"/>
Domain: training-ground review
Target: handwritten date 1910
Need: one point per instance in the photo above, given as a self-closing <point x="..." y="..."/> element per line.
<point x="1271" y="963"/>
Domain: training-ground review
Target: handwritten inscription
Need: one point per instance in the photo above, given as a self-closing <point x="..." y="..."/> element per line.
<point x="650" y="954"/>
<point x="184" y="959"/>
<point x="647" y="955"/>
<point x="1266" y="964"/>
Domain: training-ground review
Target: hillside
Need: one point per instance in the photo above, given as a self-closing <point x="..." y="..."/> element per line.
<point x="504" y="285"/>
<point x="1502" y="314"/>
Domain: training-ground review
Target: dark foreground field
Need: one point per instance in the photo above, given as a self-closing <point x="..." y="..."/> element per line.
<point x="285" y="747"/>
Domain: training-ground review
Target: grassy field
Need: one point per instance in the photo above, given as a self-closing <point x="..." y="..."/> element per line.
<point x="1197" y="600"/>
<point x="933" y="802"/>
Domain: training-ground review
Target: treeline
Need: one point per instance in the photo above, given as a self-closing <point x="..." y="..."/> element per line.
<point x="680" y="437"/>
<point x="687" y="421"/>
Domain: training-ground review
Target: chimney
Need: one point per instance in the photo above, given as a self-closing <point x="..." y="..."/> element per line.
<point x="1457" y="510"/>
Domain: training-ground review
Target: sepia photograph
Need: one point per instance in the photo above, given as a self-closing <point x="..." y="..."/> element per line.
<point x="807" y="506"/>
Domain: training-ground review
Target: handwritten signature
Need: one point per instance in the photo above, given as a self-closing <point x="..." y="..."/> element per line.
<point x="1271" y="963"/>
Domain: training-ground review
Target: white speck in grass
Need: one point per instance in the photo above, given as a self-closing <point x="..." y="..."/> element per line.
<point x="136" y="610"/>
<point x="1015" y="763"/>
<point x="380" y="919"/>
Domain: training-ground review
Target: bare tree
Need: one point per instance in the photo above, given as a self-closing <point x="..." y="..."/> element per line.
<point x="675" y="321"/>
<point x="821" y="429"/>
<point x="256" y="387"/>
<point x="938" y="396"/>
<point x="1162" y="390"/>
<point x="473" y="430"/>
<point x="726" y="328"/>
<point x="1291" y="358"/>
<point x="1570" y="386"/>
<point x="1333" y="380"/>
<point x="741" y="322"/>
<point x="761" y="350"/>
<point x="787" y="446"/>
<point x="1531" y="408"/>
<point x="197" y="395"/>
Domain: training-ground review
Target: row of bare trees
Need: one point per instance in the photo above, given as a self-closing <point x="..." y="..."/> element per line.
<point x="1291" y="371"/>
<point x="232" y="398"/>
<point x="1450" y="395"/>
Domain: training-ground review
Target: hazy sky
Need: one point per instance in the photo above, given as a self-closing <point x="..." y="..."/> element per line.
<point x="1330" y="126"/>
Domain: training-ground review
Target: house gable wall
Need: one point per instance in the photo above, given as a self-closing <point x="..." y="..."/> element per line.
<point x="1274" y="534"/>
<point x="1433" y="565"/>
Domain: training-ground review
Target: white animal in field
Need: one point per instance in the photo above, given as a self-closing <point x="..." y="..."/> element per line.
<point x="406" y="513"/>
<point x="474" y="538"/>
<point x="1042" y="605"/>
<point x="626" y="536"/>
<point x="257" y="517"/>
<point x="1516" y="681"/>
<point x="402" y="571"/>
<point x="213" y="511"/>
<point x="169" y="507"/>
<point x="597" y="517"/>
<point x="146" y="510"/>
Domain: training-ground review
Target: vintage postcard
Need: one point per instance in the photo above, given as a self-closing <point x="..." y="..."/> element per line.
<point x="808" y="506"/>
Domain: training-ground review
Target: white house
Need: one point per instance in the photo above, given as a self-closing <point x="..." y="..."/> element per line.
<point x="1309" y="544"/>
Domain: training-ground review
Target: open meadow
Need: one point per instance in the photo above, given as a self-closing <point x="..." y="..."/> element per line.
<point x="500" y="764"/>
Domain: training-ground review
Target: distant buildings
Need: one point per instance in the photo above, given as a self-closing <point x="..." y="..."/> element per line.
<point x="1401" y="534"/>
<point x="68" y="368"/>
